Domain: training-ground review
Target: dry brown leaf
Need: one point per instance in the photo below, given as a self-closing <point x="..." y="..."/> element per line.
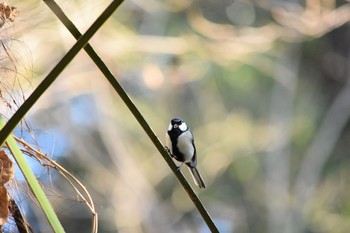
<point x="6" y="174"/>
<point x="4" y="202"/>
<point x="6" y="168"/>
<point x="8" y="12"/>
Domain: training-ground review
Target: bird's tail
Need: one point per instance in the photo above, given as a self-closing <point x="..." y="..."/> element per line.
<point x="198" y="180"/>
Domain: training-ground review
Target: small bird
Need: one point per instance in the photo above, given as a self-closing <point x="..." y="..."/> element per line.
<point x="180" y="144"/>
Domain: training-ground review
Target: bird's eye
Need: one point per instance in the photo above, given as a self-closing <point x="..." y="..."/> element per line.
<point x="175" y="126"/>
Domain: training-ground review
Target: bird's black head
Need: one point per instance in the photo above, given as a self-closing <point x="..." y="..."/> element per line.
<point x="176" y="121"/>
<point x="177" y="125"/>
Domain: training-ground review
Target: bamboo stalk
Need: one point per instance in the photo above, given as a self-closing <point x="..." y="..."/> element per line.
<point x="133" y="109"/>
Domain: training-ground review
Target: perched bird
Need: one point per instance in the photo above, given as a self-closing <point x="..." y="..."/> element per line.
<point x="180" y="143"/>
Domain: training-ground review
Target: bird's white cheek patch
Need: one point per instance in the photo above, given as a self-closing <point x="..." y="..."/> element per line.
<point x="183" y="127"/>
<point x="170" y="127"/>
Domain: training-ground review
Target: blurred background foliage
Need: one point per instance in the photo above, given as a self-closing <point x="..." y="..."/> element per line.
<point x="262" y="84"/>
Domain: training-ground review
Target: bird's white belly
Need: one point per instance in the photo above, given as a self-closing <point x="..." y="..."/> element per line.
<point x="184" y="143"/>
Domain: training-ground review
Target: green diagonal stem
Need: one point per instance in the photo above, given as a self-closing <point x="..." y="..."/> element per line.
<point x="118" y="88"/>
<point x="33" y="183"/>
<point x="51" y="77"/>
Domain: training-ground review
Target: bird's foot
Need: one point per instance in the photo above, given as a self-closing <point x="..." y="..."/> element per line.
<point x="168" y="151"/>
